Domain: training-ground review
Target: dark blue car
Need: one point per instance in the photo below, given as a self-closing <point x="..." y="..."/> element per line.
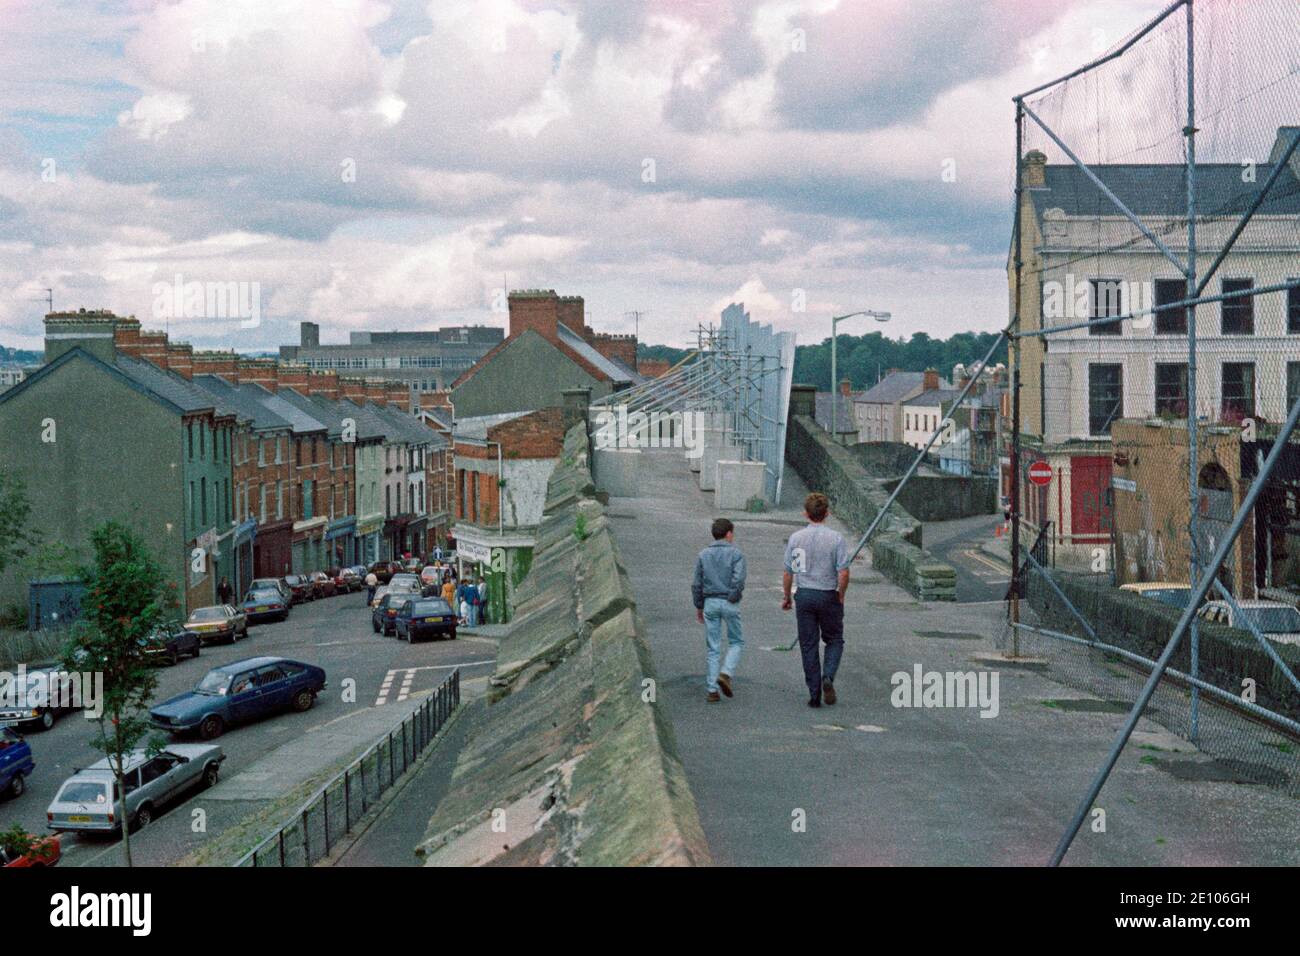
<point x="16" y="762"/>
<point x="266" y="604"/>
<point x="240" y="692"/>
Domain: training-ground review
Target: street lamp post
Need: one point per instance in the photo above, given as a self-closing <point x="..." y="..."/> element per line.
<point x="835" y="384"/>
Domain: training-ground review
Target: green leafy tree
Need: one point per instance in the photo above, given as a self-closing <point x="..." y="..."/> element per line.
<point x="127" y="597"/>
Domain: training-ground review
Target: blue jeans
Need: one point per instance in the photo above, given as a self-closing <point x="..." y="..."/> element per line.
<point x="717" y="610"/>
<point x="820" y="618"/>
<point x="473" y="615"/>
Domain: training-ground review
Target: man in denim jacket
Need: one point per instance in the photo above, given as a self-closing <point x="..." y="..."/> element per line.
<point x="717" y="589"/>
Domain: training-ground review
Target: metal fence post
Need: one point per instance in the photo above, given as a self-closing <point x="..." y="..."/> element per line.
<point x="325" y="798"/>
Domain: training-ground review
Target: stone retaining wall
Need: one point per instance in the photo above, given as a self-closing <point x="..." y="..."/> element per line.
<point x="573" y="763"/>
<point x="1144" y="626"/>
<point x="856" y="498"/>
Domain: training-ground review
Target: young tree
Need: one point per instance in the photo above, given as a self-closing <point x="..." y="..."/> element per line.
<point x="127" y="597"/>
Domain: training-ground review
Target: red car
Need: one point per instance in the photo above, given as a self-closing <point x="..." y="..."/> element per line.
<point x="322" y="584"/>
<point x="345" y="580"/>
<point x="38" y="851"/>
<point x="299" y="586"/>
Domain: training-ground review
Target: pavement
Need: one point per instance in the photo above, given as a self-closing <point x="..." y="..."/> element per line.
<point x="373" y="682"/>
<point x="867" y="782"/>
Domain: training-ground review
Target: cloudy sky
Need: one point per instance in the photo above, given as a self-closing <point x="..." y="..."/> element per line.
<point x="390" y="164"/>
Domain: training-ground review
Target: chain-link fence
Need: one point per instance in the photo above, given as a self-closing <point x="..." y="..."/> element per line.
<point x="1155" y="354"/>
<point x="329" y="815"/>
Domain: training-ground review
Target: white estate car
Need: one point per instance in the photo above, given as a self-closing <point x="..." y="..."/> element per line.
<point x="1275" y="620"/>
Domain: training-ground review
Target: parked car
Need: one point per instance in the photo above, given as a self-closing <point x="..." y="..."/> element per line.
<point x="89" y="799"/>
<point x="261" y="584"/>
<point x="265" y="604"/>
<point x="220" y="622"/>
<point x="322" y="584"/>
<point x="239" y="692"/>
<point x="1275" y="620"/>
<point x="16" y="762"/>
<point x="384" y="570"/>
<point x="170" y="642"/>
<point x="412" y="565"/>
<point x="40" y="851"/>
<point x="344" y="580"/>
<point x="299" y="586"/>
<point x="405" y="582"/>
<point x="383" y="617"/>
<point x="16" y="713"/>
<point x="425" y="617"/>
<point x="1166" y="592"/>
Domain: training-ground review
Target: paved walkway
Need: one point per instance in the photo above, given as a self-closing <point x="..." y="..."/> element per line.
<point x="875" y="784"/>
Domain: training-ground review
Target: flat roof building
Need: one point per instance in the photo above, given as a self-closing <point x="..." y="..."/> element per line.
<point x="428" y="361"/>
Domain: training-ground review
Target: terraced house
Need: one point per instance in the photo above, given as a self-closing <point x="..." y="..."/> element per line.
<point x="229" y="467"/>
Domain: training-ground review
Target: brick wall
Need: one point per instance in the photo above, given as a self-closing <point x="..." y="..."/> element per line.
<point x="538" y="434"/>
<point x="621" y="347"/>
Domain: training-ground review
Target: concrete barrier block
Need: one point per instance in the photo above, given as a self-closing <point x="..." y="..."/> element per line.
<point x="737" y="483"/>
<point x="618" y="471"/>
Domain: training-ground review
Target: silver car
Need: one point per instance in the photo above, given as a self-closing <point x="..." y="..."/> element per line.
<point x="89" y="799"/>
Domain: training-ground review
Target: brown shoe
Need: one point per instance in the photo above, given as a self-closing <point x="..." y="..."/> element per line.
<point x="828" y="692"/>
<point x="713" y="697"/>
<point x="724" y="682"/>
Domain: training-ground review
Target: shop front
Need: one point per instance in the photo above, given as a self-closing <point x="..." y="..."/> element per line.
<point x="309" y="545"/>
<point x="368" y="535"/>
<point x="242" y="549"/>
<point x="273" y="550"/>
<point x="340" y="538"/>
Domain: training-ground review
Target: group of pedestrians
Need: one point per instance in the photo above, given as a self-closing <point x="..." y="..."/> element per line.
<point x="813" y="585"/>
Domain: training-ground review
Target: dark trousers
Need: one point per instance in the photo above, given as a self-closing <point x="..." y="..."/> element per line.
<point x="370" y="595"/>
<point x="820" y="617"/>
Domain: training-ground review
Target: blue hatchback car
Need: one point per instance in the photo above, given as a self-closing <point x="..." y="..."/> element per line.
<point x="240" y="692"/>
<point x="16" y="762"/>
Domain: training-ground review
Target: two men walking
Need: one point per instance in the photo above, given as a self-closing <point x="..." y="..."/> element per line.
<point x="813" y="585"/>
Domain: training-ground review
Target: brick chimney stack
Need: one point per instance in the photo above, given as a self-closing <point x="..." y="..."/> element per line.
<point x="353" y="389"/>
<point x="126" y="336"/>
<point x="224" y="364"/>
<point x="535" y="309"/>
<point x="153" y="348"/>
<point x="324" y="384"/>
<point x="180" y="359"/>
<point x="258" y="372"/>
<point x="931" y="379"/>
<point x="846" y="387"/>
<point x="295" y="377"/>
<point x="399" y="396"/>
<point x="377" y="391"/>
<point x="1033" y="170"/>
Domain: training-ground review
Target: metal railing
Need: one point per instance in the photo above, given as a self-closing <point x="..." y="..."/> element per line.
<point x="330" y="813"/>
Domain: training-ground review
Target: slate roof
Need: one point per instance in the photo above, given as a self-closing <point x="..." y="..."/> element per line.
<point x="893" y="388"/>
<point x="843" y="413"/>
<point x="476" y="427"/>
<point x="407" y="428"/>
<point x="1161" y="190"/>
<point x="612" y="369"/>
<point x="250" y="409"/>
<point x="181" y="392"/>
<point x="934" y="397"/>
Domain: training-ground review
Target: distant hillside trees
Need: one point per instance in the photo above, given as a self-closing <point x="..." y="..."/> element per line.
<point x="864" y="358"/>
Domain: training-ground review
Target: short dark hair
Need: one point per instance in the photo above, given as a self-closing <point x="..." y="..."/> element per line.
<point x="721" y="526"/>
<point x="817" y="505"/>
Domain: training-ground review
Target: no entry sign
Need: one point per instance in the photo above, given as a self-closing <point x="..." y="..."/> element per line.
<point x="1040" y="473"/>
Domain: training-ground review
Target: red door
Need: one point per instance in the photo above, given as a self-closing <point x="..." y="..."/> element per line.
<point x="1090" y="503"/>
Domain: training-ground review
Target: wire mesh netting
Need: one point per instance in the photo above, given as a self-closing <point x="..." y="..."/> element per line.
<point x="1155" y="301"/>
